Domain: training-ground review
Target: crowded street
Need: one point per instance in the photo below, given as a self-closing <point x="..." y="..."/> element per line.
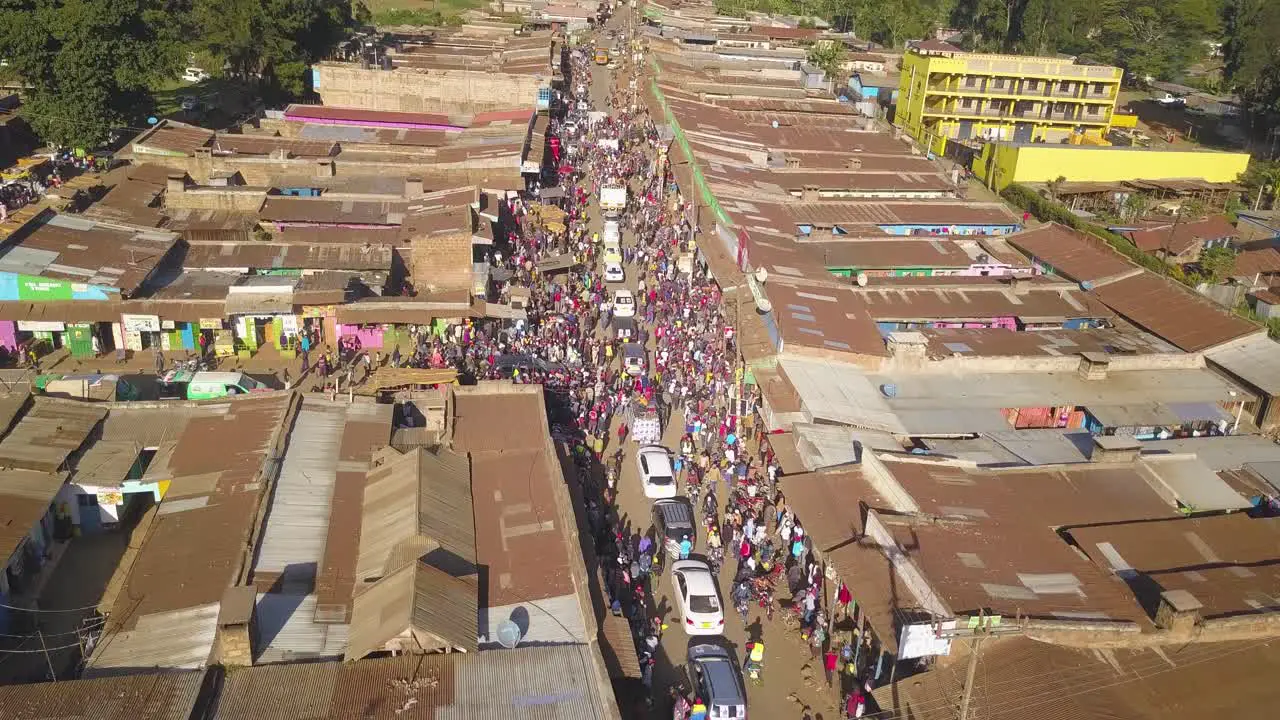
<point x="633" y="349"/>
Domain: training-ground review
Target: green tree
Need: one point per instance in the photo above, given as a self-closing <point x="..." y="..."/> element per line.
<point x="89" y="63"/>
<point x="272" y="41"/>
<point x="1216" y="264"/>
<point x="1252" y="65"/>
<point x="829" y="56"/>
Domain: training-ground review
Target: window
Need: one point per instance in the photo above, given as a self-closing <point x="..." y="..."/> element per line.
<point x="1064" y="86"/>
<point x="971" y="81"/>
<point x="87" y="500"/>
<point x="1033" y="85"/>
<point x="967" y="103"/>
<point x="703" y="604"/>
<point x="644" y="465"/>
<point x="680" y="582"/>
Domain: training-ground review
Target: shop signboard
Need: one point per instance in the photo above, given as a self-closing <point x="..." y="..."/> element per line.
<point x="110" y="498"/>
<point x="210" y="323"/>
<point x="14" y="286"/>
<point x="315" y="311"/>
<point x="140" y="323"/>
<point x="41" y="325"/>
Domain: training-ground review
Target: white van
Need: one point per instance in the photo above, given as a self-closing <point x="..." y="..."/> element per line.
<point x="207" y="385"/>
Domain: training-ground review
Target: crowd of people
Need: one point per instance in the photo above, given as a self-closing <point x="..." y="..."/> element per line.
<point x="567" y="341"/>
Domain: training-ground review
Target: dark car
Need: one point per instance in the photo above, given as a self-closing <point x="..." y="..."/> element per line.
<point x="714" y="674"/>
<point x="673" y="519"/>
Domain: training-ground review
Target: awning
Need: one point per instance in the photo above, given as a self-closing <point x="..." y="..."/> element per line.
<point x="551" y="193"/>
<point x="1157" y="414"/>
<point x="259" y="304"/>
<point x="70" y="311"/>
<point x="504" y="312"/>
<point x="556" y="263"/>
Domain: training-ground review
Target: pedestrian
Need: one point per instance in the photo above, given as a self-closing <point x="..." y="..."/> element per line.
<point x="829" y="664"/>
<point x="159" y="358"/>
<point x="686" y="546"/>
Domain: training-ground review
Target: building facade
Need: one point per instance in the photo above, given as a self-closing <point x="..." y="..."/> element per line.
<point x="947" y="94"/>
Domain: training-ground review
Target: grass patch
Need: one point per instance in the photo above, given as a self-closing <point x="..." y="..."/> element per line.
<point x="420" y="12"/>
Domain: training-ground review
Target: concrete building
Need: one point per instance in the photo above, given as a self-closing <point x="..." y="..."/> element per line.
<point x="1002" y="163"/>
<point x="946" y="94"/>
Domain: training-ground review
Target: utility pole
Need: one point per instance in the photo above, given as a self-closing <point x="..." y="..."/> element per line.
<point x="974" y="649"/>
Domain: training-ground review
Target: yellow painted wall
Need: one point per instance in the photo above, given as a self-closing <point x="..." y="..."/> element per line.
<point x="915" y="94"/>
<point x="1082" y="163"/>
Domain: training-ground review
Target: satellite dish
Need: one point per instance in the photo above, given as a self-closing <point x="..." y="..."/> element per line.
<point x="862" y="279"/>
<point x="761" y="275"/>
<point x="509" y="634"/>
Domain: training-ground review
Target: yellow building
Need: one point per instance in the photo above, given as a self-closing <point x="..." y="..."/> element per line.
<point x="948" y="94"/>
<point x="1004" y="163"/>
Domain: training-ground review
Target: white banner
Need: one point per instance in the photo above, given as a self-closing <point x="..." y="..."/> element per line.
<point x="140" y="323"/>
<point x="41" y="326"/>
<point x="922" y="640"/>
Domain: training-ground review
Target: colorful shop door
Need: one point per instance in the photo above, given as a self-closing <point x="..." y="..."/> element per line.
<point x="80" y="340"/>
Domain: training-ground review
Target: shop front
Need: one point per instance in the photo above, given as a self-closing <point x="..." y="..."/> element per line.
<point x="84" y="329"/>
<point x="263" y="318"/>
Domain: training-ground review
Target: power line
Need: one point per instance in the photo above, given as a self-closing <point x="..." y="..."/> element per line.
<point x="95" y="626"/>
<point x="42" y="610"/>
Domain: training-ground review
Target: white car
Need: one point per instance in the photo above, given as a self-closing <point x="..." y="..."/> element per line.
<point x="657" y="477"/>
<point x="613" y="272"/>
<point x="697" y="598"/>
<point x="624" y="304"/>
<point x="612" y="231"/>
<point x="195" y="75"/>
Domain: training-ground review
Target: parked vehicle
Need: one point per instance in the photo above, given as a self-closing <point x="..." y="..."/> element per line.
<point x="657" y="478"/>
<point x="195" y="75"/>
<point x="697" y="598"/>
<point x="714" y="675"/>
<point x="105" y="388"/>
<point x="207" y="385"/>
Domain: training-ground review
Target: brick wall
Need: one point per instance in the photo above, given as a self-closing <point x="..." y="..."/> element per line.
<point x="441" y="262"/>
<point x="438" y="91"/>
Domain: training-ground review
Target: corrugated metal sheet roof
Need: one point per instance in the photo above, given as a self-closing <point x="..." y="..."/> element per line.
<point x="48" y="434"/>
<point x="549" y="683"/>
<point x="446" y="606"/>
<point x="299" y="519"/>
<point x="381" y="611"/>
<point x="153" y="696"/>
<point x="445" y="511"/>
<point x="180" y="639"/>
<point x="284" y="630"/>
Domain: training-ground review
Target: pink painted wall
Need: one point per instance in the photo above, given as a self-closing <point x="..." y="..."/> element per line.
<point x="369" y="337"/>
<point x="9" y="334"/>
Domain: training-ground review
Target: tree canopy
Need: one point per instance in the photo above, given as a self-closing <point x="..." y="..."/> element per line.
<point x="92" y="65"/>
